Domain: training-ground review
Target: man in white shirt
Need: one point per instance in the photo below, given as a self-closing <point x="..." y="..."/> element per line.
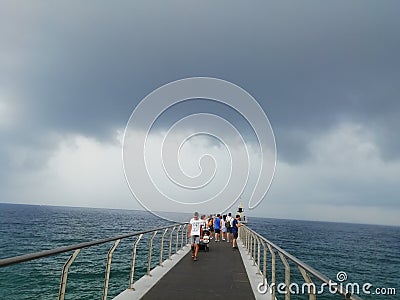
<point x="229" y="219"/>
<point x="194" y="232"/>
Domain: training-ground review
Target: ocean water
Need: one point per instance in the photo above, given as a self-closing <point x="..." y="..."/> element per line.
<point x="367" y="253"/>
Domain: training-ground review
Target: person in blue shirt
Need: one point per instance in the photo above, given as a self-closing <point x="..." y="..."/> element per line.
<point x="235" y="228"/>
<point x="217" y="227"/>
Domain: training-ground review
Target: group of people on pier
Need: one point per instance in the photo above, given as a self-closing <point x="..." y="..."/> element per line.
<point x="221" y="228"/>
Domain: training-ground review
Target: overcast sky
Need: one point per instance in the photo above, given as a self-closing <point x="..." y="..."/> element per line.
<point x="327" y="74"/>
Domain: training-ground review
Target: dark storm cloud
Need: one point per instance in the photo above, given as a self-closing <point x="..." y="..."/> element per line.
<point x="81" y="68"/>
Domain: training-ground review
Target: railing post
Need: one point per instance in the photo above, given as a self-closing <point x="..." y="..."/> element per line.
<point x="177" y="238"/>
<point x="244" y="236"/>
<point x="250" y="244"/>
<point x="273" y="278"/>
<point x="311" y="285"/>
<point x="150" y="252"/>
<point x="258" y="256"/>
<point x="186" y="235"/>
<point x="162" y="247"/>
<point x="64" y="274"/>
<point x="170" y="242"/>
<point x="264" y="264"/>
<point x="108" y="268"/>
<point x="254" y="250"/>
<point x="248" y="240"/>
<point x="131" y="280"/>
<point x="242" y="232"/>
<point x="183" y="233"/>
<point x="287" y="275"/>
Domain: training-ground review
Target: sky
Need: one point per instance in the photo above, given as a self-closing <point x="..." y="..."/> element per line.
<point x="327" y="75"/>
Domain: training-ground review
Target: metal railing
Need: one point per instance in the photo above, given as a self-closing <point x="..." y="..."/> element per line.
<point x="254" y="243"/>
<point x="178" y="229"/>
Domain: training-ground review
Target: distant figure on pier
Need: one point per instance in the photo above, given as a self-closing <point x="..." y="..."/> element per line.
<point x="235" y="228"/>
<point x="223" y="227"/>
<point x="211" y="226"/>
<point x="228" y="226"/>
<point x="217" y="227"/>
<point x="194" y="233"/>
<point x="205" y="223"/>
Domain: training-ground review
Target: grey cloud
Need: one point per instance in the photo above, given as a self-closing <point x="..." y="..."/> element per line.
<point x="78" y="68"/>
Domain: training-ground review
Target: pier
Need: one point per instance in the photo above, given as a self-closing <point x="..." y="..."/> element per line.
<point x="247" y="273"/>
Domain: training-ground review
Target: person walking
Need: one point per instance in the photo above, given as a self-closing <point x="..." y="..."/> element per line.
<point x="194" y="233"/>
<point x="211" y="226"/>
<point x="228" y="225"/>
<point x="235" y="229"/>
<point x="223" y="227"/>
<point x="217" y="227"/>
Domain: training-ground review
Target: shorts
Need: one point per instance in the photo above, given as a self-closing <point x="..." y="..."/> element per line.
<point x="235" y="235"/>
<point x="194" y="239"/>
<point x="229" y="230"/>
<point x="223" y="230"/>
<point x="217" y="230"/>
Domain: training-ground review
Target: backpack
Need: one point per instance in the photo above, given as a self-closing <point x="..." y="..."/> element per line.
<point x="228" y="223"/>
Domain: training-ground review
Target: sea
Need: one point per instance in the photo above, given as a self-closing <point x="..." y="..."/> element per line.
<point x="359" y="254"/>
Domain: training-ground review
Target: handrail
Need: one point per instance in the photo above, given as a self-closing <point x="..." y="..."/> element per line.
<point x="116" y="239"/>
<point x="32" y="256"/>
<point x="248" y="237"/>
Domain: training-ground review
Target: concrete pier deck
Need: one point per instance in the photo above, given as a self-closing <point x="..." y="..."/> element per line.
<point x="221" y="273"/>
